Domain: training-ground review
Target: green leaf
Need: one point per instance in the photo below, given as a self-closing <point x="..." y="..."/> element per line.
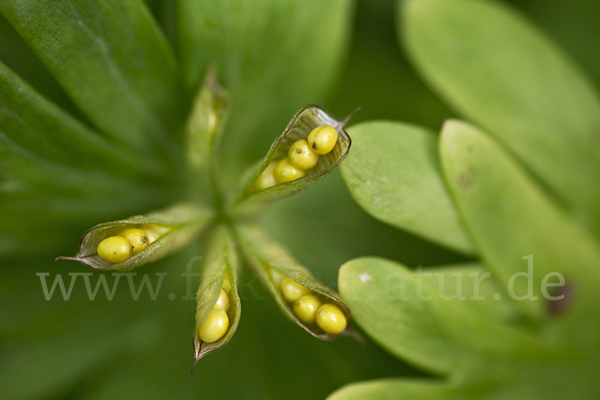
<point x="31" y="125"/>
<point x="271" y="262"/>
<point x="168" y="230"/>
<point x="221" y="266"/>
<point x="301" y="124"/>
<point x="499" y="71"/>
<point x="273" y="57"/>
<point x="112" y="60"/>
<point x="394" y="389"/>
<point x="43" y="196"/>
<point x="26" y="356"/>
<point x="17" y="56"/>
<point x="393" y="173"/>
<point x="413" y="319"/>
<point x="473" y="283"/>
<point x="510" y="219"/>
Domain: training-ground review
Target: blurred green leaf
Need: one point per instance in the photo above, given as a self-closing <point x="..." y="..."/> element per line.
<point x="413" y="320"/>
<point x="274" y="57"/>
<point x="35" y="127"/>
<point x="510" y="218"/>
<point x="392" y="389"/>
<point x="573" y="25"/>
<point x="112" y="60"/>
<point x="379" y="78"/>
<point x="498" y="70"/>
<point x="17" y="56"/>
<point x="472" y="282"/>
<point x="393" y="172"/>
<point x="26" y="357"/>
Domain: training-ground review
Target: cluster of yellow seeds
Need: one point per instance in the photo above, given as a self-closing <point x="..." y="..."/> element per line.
<point x="215" y="325"/>
<point x="309" y="308"/>
<point x="302" y="156"/>
<point x="128" y="242"/>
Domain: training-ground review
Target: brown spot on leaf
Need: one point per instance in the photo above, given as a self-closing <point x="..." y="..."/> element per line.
<point x="466" y="178"/>
<point x="562" y="304"/>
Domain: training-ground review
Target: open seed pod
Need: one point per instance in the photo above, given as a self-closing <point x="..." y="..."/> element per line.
<point x="305" y="120"/>
<point x="166" y="231"/>
<point x="219" y="276"/>
<point x="272" y="263"/>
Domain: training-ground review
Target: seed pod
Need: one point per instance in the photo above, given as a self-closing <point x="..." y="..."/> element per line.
<point x="219" y="278"/>
<point x="205" y="122"/>
<point x="167" y="231"/>
<point x="305" y="120"/>
<point x="269" y="260"/>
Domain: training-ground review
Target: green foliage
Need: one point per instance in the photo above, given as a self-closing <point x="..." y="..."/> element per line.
<point x="96" y="99"/>
<point x="497" y="70"/>
<point x="113" y="150"/>
<point x="526" y="193"/>
<point x="408" y="191"/>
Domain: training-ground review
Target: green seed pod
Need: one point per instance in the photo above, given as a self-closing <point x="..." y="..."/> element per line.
<point x="218" y="303"/>
<point x="205" y="122"/>
<point x="305" y="120"/>
<point x="276" y="268"/>
<point x="167" y="231"/>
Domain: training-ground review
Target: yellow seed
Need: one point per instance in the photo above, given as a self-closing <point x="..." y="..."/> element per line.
<point x="214" y="326"/>
<point x="154" y="231"/>
<point x="277" y="277"/>
<point x="226" y="285"/>
<point x="292" y="290"/>
<point x="301" y="156"/>
<point x="222" y="302"/>
<point x="115" y="249"/>
<point x="322" y="139"/>
<point x="331" y="319"/>
<point x="266" y="179"/>
<point x="306" y="308"/>
<point x="137" y="237"/>
<point x="286" y="172"/>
